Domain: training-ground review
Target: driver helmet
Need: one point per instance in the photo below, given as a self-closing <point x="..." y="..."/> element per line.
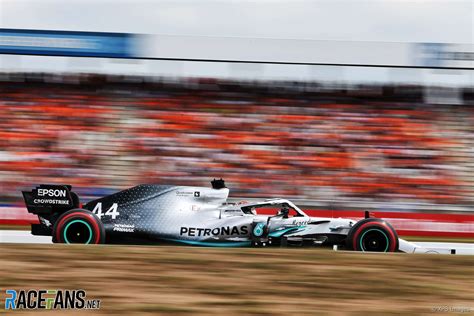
<point x="253" y="211"/>
<point x="284" y="211"/>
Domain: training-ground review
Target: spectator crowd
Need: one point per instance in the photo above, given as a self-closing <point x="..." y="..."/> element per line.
<point x="103" y="134"/>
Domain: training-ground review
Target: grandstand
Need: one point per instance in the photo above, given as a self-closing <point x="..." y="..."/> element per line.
<point x="288" y="139"/>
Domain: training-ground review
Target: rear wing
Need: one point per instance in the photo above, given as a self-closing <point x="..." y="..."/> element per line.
<point x="48" y="199"/>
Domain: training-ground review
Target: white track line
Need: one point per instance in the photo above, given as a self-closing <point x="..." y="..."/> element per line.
<point x="25" y="237"/>
<point x="445" y="247"/>
<point x="22" y="237"/>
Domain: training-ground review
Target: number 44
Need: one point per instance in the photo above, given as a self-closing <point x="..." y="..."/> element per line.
<point x="112" y="211"/>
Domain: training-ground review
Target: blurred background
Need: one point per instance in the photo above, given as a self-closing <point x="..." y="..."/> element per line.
<point x="336" y="109"/>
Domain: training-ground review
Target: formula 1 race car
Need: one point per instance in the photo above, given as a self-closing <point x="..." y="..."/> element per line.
<point x="196" y="216"/>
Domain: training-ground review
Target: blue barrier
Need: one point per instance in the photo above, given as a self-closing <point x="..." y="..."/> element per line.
<point x="65" y="43"/>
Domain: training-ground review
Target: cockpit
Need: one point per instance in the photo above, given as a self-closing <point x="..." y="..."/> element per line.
<point x="281" y="208"/>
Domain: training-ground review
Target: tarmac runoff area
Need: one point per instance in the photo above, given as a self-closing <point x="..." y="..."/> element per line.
<point x="25" y="237"/>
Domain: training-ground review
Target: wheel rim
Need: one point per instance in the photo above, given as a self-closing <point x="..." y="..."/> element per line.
<point x="77" y="232"/>
<point x="374" y="240"/>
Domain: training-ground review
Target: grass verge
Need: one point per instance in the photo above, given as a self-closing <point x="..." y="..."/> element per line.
<point x="148" y="280"/>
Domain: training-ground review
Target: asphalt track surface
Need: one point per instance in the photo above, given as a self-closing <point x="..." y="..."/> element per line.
<point x="25" y="237"/>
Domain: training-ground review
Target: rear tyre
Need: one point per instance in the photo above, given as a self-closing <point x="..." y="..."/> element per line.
<point x="78" y="226"/>
<point x="372" y="235"/>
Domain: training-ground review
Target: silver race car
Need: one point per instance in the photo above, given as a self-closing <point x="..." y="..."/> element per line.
<point x="200" y="216"/>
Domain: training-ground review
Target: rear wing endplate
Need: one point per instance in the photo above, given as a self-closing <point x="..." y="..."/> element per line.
<point x="48" y="198"/>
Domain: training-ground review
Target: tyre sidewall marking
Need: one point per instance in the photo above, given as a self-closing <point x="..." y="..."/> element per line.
<point x="374" y="229"/>
<point x="77" y="221"/>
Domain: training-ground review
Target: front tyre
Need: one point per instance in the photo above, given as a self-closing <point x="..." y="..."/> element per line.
<point x="372" y="235"/>
<point x="78" y="226"/>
